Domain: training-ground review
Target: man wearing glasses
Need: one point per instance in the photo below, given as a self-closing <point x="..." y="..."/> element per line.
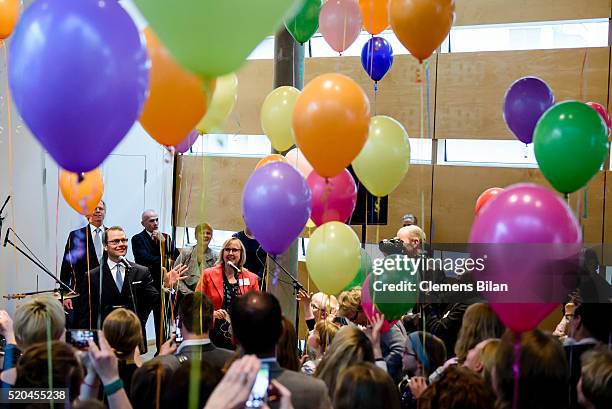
<point x="116" y="283"/>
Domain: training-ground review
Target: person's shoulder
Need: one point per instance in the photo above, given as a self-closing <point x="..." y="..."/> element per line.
<point x="239" y="235"/>
<point x="302" y="381"/>
<point x="139" y="235"/>
<point x="249" y="274"/>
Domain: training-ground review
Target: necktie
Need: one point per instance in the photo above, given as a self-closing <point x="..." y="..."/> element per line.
<point x="98" y="243"/>
<point x="118" y="278"/>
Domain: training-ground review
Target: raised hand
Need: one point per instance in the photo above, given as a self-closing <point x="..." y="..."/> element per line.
<point x="235" y="387"/>
<point x="175" y="275"/>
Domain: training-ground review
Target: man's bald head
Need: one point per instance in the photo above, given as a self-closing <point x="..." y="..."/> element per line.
<point x="150" y="220"/>
<point x="413" y="237"/>
<point x="256" y="322"/>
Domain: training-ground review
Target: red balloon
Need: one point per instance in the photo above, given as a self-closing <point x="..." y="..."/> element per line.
<point x="603" y="113"/>
<point x="368" y="305"/>
<point x="333" y="199"/>
<point x="485" y="197"/>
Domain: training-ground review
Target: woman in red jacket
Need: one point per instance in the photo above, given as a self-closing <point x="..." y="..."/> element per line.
<point x="223" y="283"/>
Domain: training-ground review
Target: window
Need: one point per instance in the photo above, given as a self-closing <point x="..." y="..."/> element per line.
<point x="473" y="152"/>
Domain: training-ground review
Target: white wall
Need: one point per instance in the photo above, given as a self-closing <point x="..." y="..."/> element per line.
<point x="38" y="212"/>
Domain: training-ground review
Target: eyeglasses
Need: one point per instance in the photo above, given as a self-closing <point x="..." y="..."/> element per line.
<point x="118" y="241"/>
<point x="229" y="250"/>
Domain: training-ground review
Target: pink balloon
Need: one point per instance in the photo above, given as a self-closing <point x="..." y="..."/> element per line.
<point x="529" y="240"/>
<point x="296" y="158"/>
<point x="368" y="306"/>
<point x="333" y="199"/>
<point x="523" y="317"/>
<point x="186" y="143"/>
<point x="340" y="23"/>
<point x="603" y="113"/>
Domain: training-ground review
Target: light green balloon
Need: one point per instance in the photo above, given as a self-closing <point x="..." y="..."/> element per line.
<point x="385" y="157"/>
<point x="214" y="37"/>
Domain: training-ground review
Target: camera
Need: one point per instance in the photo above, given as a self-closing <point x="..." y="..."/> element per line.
<point x="392" y="246"/>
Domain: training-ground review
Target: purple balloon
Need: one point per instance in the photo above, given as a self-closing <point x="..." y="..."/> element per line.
<point x="525" y="102"/>
<point x="79" y="74"/>
<point x="376" y="57"/>
<point x="186" y="143"/>
<point x="276" y="204"/>
<point x="529" y="240"/>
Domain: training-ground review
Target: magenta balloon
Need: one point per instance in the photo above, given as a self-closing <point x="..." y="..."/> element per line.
<point x="186" y="143"/>
<point x="530" y="241"/>
<point x="340" y="23"/>
<point x="368" y="305"/>
<point x="79" y="74"/>
<point x="522" y="317"/>
<point x="333" y="199"/>
<point x="276" y="205"/>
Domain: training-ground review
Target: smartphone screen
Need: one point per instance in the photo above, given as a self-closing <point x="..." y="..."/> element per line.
<point x="259" y="393"/>
<point x="79" y="338"/>
<point x="177" y="331"/>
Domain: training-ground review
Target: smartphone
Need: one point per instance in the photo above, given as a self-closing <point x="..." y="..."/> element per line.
<point x="177" y="331"/>
<point x="259" y="393"/>
<point x="79" y="338"/>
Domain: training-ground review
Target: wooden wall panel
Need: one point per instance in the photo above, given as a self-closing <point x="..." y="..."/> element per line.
<point x="209" y="189"/>
<point x="472" y="12"/>
<point x="456" y="189"/>
<point x="398" y="95"/>
<point x="471" y="86"/>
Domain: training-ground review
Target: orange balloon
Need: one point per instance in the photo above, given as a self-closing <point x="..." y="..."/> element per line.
<point x="330" y="121"/>
<point x="177" y="99"/>
<point x="82" y="191"/>
<point x="485" y="197"/>
<point x="9" y="14"/>
<point x="375" y="15"/>
<point x="421" y="25"/>
<point x="270" y="158"/>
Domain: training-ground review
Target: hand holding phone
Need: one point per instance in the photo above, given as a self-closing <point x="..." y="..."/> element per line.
<point x="259" y="392"/>
<point x="79" y="338"/>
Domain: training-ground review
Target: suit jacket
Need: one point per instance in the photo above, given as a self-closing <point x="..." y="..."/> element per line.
<point x="307" y="392"/>
<point x="79" y="256"/>
<point x="150" y="254"/>
<point x="211" y="284"/>
<point x="138" y="294"/>
<point x="216" y="357"/>
<point x="189" y="257"/>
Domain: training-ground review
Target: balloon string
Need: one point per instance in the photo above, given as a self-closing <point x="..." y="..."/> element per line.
<point x="427" y="106"/>
<point x="375" y="95"/>
<point x="57" y="223"/>
<point x="516" y="370"/>
<point x="377" y="213"/>
<point x="344" y="32"/>
<point x="178" y="202"/>
<point x="582" y="77"/>
<point x="10" y="148"/>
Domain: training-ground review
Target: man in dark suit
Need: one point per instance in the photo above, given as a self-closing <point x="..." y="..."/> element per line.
<point x="256" y="324"/>
<point x="82" y="253"/>
<point x="195" y="316"/>
<point x="154" y="250"/>
<point x="116" y="283"/>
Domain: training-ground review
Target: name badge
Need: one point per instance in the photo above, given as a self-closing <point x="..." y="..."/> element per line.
<point x="243" y="281"/>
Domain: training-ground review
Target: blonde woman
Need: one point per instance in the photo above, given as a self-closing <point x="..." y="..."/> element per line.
<point x="197" y="258"/>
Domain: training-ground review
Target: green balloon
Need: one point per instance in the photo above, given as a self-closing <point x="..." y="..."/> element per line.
<point x="394" y="291"/>
<point x="214" y="37"/>
<point x="305" y="23"/>
<point x="571" y="143"/>
<point x="365" y="268"/>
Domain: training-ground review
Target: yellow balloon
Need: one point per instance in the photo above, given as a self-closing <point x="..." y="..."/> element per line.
<point x="385" y="158"/>
<point x="277" y="115"/>
<point x="221" y="104"/>
<point x="333" y="256"/>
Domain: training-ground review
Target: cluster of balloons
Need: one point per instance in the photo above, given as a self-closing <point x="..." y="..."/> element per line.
<point x="529" y="215"/>
<point x="570" y="132"/>
<point x="82" y="191"/>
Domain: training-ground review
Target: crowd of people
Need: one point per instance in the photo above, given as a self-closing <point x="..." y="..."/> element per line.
<point x="231" y="347"/>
